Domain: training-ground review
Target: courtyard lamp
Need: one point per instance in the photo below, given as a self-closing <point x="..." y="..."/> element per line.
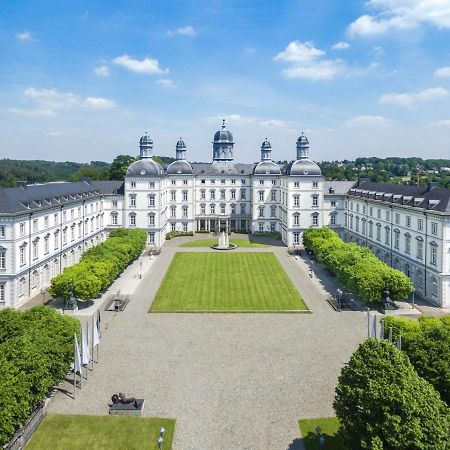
<point x="320" y="437"/>
<point x="160" y="442"/>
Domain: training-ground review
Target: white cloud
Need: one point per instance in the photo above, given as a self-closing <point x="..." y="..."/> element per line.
<point x="249" y="120"/>
<point x="367" y="122"/>
<point x="102" y="71"/>
<point x="440" y="123"/>
<point x="30" y="112"/>
<point x="378" y="50"/>
<point x="54" y="134"/>
<point x="146" y="65"/>
<point x="49" y="101"/>
<point x="400" y="15"/>
<point x="183" y="31"/>
<point x="165" y="82"/>
<point x="98" y="102"/>
<point x="25" y="36"/>
<point x="341" y="45"/>
<point x="442" y="72"/>
<point x="305" y="62"/>
<point x="410" y="99"/>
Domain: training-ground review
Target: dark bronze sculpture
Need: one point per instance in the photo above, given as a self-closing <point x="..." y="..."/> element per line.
<point x="120" y="398"/>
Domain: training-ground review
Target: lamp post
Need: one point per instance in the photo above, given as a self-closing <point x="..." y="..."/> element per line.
<point x="160" y="440"/>
<point x="339" y="297"/>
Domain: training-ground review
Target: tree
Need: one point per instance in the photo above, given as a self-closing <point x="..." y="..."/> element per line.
<point x="119" y="166"/>
<point x="382" y="402"/>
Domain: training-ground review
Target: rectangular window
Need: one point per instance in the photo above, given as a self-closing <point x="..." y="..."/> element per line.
<point x="407" y="245"/>
<point x="35" y="250"/>
<point x="46" y="245"/>
<point x="233" y="194"/>
<point x="22" y="228"/>
<point x="222" y="181"/>
<point x="315" y="184"/>
<point x="333" y="221"/>
<point x="173" y="226"/>
<point x="261" y="196"/>
<point x="419" y="249"/>
<point x="151" y="201"/>
<point x="371" y="229"/>
<point x="173" y="195"/>
<point x="2" y="293"/>
<point x="296" y="238"/>
<point x="243" y="181"/>
<point x="185" y="182"/>
<point x="56" y="241"/>
<point x="261" y="227"/>
<point x="243" y="208"/>
<point x="296" y="185"/>
<point x="296" y="200"/>
<point x="133" y="184"/>
<point x="222" y="209"/>
<point x="315" y="220"/>
<point x="114" y="204"/>
<point x="174" y="182"/>
<point x="213" y="181"/>
<point x="261" y="182"/>
<point x="357" y="207"/>
<point x="434" y="228"/>
<point x="433" y="255"/>
<point x="151" y="184"/>
<point x="273" y="227"/>
<point x="222" y="194"/>
<point x="22" y="256"/>
<point x="408" y="221"/>
<point x="64" y="237"/>
<point x="2" y="231"/>
<point x="212" y="194"/>
<point x="173" y="211"/>
<point x="273" y="211"/>
<point x="420" y="224"/>
<point x="185" y="196"/>
<point x="212" y="208"/>
<point x="233" y="181"/>
<point x="315" y="201"/>
<point x="397" y="218"/>
<point x="233" y="209"/>
<point x="296" y="220"/>
<point x="243" y="194"/>
<point x="202" y="209"/>
<point x="396" y="241"/>
<point x="203" y="194"/>
<point x="333" y="203"/>
<point x="378" y="233"/>
<point x="379" y="213"/>
<point x="371" y="211"/>
<point x="151" y="220"/>
<point x="2" y="259"/>
<point x="132" y="220"/>
<point x="64" y="215"/>
<point x="151" y="238"/>
<point x="273" y="196"/>
<point x="185" y="227"/>
<point x="387" y="232"/>
<point x="185" y="213"/>
<point x="261" y="211"/>
<point x="132" y="201"/>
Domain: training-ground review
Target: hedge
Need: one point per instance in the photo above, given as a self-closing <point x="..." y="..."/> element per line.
<point x="172" y="234"/>
<point x="426" y="342"/>
<point x="36" y="350"/>
<point x="356" y="267"/>
<point x="100" y="265"/>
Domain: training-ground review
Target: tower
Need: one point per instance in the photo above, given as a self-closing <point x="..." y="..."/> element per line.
<point x="180" y="150"/>
<point x="145" y="146"/>
<point x="223" y="145"/>
<point x="302" y="147"/>
<point x="266" y="151"/>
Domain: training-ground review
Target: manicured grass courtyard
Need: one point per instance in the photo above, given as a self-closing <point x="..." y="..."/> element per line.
<point x="211" y="242"/>
<point x="329" y="427"/>
<point x="226" y="282"/>
<point x="62" y="432"/>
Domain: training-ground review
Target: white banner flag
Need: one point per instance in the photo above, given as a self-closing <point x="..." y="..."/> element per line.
<point x="85" y="347"/>
<point x="382" y="330"/>
<point x="399" y="342"/>
<point x="374" y="327"/>
<point x="95" y="335"/>
<point x="77" y="356"/>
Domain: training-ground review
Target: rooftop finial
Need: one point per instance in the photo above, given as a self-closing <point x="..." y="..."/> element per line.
<point x="223" y="124"/>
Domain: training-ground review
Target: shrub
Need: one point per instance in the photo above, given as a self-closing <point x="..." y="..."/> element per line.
<point x="270" y="234"/>
<point x="33" y="358"/>
<point x="383" y="403"/>
<point x="355" y="266"/>
<point x="99" y="265"/>
<point x="172" y="234"/>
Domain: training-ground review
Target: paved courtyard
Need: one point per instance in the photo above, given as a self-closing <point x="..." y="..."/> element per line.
<point x="232" y="381"/>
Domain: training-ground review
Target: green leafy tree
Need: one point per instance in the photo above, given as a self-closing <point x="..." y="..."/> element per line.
<point x="119" y="166"/>
<point x="382" y="402"/>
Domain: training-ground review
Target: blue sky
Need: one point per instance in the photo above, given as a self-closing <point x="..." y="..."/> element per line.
<point x="83" y="81"/>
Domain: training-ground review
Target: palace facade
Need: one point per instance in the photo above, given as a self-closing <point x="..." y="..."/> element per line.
<point x="45" y="228"/>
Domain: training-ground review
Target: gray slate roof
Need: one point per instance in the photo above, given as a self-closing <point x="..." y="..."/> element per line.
<point x="425" y="197"/>
<point x="37" y="197"/>
<point x="338" y="187"/>
<point x="218" y="168"/>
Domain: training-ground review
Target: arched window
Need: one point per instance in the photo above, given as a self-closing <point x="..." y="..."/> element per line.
<point x="35" y="280"/>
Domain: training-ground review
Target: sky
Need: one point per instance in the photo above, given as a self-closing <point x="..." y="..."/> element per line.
<point x="82" y="81"/>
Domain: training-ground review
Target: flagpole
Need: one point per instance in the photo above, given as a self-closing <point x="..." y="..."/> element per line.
<point x="87" y="348"/>
<point x="74" y="369"/>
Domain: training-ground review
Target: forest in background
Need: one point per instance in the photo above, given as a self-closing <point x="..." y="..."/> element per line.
<point x="385" y="170"/>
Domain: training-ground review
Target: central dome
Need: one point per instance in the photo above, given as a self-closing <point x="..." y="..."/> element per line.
<point x="223" y="135"/>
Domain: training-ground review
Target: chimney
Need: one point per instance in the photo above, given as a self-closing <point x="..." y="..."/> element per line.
<point x="22" y="184"/>
<point x="431" y="185"/>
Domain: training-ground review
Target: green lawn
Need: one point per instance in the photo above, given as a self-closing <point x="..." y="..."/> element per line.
<point x="211" y="242"/>
<point x="329" y="426"/>
<point x="62" y="432"/>
<point x="221" y="282"/>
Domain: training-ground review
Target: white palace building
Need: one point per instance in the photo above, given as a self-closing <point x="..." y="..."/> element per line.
<point x="45" y="228"/>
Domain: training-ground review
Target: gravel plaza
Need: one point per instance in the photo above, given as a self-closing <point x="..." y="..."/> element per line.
<point x="231" y="381"/>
